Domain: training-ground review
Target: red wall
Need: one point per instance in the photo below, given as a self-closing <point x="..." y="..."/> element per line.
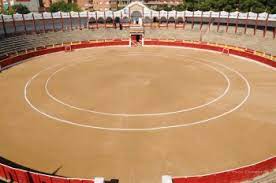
<point x="237" y="175"/>
<point x="10" y="174"/>
<point x="246" y="54"/>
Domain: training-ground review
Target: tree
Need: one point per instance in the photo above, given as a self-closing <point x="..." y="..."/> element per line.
<point x="167" y="8"/>
<point x="257" y="6"/>
<point x="63" y="6"/>
<point x="252" y="5"/>
<point x="21" y="9"/>
<point x="180" y="7"/>
<point x="271" y="6"/>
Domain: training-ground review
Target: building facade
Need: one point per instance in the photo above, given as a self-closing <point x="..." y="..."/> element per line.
<point x="113" y="5"/>
<point x="123" y="3"/>
<point x="101" y="5"/>
<point x="150" y="3"/>
<point x="33" y="5"/>
<point x="84" y="4"/>
<point x="90" y="5"/>
<point x="156" y="3"/>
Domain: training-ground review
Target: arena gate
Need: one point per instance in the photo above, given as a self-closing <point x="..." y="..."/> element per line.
<point x="136" y="36"/>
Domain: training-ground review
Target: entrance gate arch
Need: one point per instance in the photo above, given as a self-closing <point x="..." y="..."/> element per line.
<point x="136" y="16"/>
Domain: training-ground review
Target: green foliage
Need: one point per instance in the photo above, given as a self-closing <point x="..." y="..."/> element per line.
<point x="17" y="8"/>
<point x="168" y="8"/>
<point x="271" y="4"/>
<point x="64" y="7"/>
<point x="163" y="7"/>
<point x="273" y="10"/>
<point x="181" y="7"/>
<point x="20" y="8"/>
<point x="10" y="12"/>
<point x="119" y="8"/>
<point x="256" y="6"/>
<point x="252" y="5"/>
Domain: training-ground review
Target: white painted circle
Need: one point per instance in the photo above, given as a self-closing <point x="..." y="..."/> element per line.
<point x="138" y="129"/>
<point x="137" y="114"/>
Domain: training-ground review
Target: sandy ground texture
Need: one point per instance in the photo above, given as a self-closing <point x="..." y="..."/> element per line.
<point x="137" y="113"/>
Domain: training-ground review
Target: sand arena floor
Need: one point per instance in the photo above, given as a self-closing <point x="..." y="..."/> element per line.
<point x="137" y="113"/>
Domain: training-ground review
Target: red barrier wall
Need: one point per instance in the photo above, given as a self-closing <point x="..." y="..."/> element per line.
<point x="22" y="176"/>
<point x="2" y="173"/>
<point x="75" y="181"/>
<point x="246" y="173"/>
<point x="34" y="177"/>
<point x="204" y="46"/>
<point x="236" y="175"/>
<point x="9" y="174"/>
<point x="232" y="176"/>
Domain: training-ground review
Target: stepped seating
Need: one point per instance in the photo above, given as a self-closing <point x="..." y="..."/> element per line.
<point x="22" y="42"/>
<point x="222" y="37"/>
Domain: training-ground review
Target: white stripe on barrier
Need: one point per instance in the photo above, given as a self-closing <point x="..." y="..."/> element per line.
<point x="167" y="179"/>
<point x="98" y="180"/>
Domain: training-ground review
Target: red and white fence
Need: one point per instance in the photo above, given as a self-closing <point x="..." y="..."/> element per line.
<point x="232" y="176"/>
<point x="236" y="175"/>
<point x="10" y="174"/>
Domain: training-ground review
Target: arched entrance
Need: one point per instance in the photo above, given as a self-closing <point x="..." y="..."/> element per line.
<point x="92" y="22"/>
<point x="136" y="16"/>
<point x="155" y="20"/>
<point x="117" y="20"/>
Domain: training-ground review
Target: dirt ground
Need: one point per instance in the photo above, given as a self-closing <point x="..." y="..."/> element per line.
<point x="137" y="113"/>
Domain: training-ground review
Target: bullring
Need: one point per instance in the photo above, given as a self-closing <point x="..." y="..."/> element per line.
<point x="195" y="102"/>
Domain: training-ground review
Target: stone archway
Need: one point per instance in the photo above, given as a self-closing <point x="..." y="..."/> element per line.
<point x="136" y="16"/>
